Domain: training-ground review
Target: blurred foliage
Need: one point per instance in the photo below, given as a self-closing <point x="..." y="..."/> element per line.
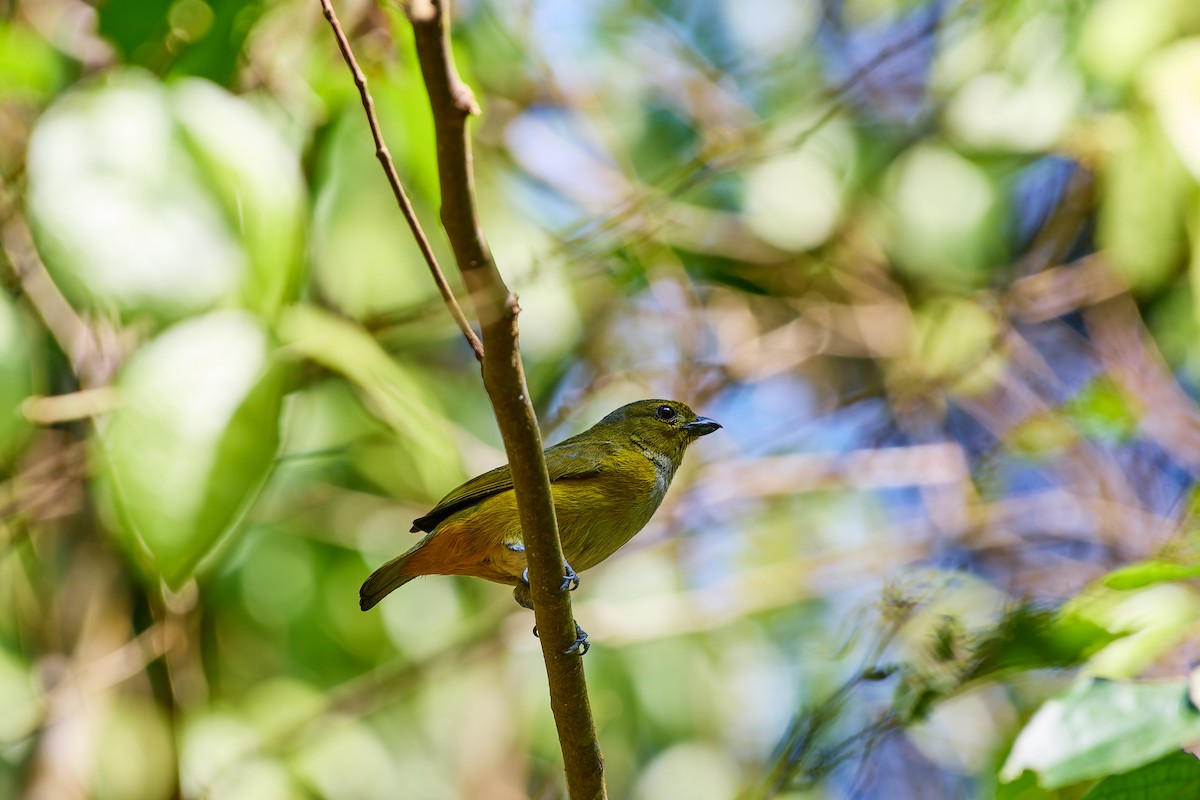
<point x="934" y="265"/>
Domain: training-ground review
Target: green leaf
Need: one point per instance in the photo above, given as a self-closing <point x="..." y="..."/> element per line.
<point x="354" y="211"/>
<point x="945" y="217"/>
<point x="192" y="441"/>
<point x="1175" y="777"/>
<point x="1154" y="620"/>
<point x="255" y="175"/>
<point x="30" y="68"/>
<point x="16" y="380"/>
<point x="206" y="195"/>
<point x="1102" y="727"/>
<point x="1148" y="573"/>
<point x="107" y="158"/>
<point x="193" y="37"/>
<point x="1169" y="83"/>
<point x="390" y="390"/>
<point x="21" y="704"/>
<point x="1143" y="189"/>
<point x="1103" y="411"/>
<point x="1034" y="638"/>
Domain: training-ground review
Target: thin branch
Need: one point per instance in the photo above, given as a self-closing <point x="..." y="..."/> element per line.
<point x="504" y="379"/>
<point x="389" y="168"/>
<point x="94" y="359"/>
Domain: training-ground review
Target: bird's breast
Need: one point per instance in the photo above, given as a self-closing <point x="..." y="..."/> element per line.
<point x="598" y="514"/>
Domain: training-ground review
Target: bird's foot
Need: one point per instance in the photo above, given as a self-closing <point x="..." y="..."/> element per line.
<point x="570" y="578"/>
<point x="580" y="644"/>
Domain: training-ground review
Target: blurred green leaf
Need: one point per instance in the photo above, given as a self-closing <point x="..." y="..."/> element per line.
<point x="1023" y="788"/>
<point x="945" y="216"/>
<point x="106" y="159"/>
<point x="391" y="391"/>
<point x="354" y="210"/>
<point x="1175" y="777"/>
<point x="255" y="175"/>
<point x="213" y="33"/>
<point x="1118" y="36"/>
<point x="1170" y="82"/>
<point x="193" y="440"/>
<point x="1143" y="200"/>
<point x="206" y="196"/>
<point x="1041" y="436"/>
<point x="1148" y="573"/>
<point x="796" y="201"/>
<point x="1154" y="619"/>
<point x="953" y="338"/>
<point x="1102" y="727"/>
<point x="136" y="27"/>
<point x="21" y="705"/>
<point x="16" y="380"/>
<point x="1102" y="410"/>
<point x="30" y="68"/>
<point x="193" y="37"/>
<point x="134" y="724"/>
<point x="1035" y="638"/>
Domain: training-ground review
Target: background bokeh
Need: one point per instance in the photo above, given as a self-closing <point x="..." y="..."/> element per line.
<point x="932" y="264"/>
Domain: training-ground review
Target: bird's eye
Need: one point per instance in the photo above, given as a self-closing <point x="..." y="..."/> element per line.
<point x="665" y="413"/>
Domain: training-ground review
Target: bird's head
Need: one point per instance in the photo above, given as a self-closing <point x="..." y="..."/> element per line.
<point x="663" y="426"/>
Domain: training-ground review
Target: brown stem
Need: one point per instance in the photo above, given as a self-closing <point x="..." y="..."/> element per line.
<point x="91" y="360"/>
<point x="504" y="379"/>
<point x="389" y="168"/>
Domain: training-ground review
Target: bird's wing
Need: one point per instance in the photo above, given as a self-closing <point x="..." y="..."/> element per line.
<point x="564" y="461"/>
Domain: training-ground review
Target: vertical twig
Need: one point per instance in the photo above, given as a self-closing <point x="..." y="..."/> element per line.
<point x="389" y="169"/>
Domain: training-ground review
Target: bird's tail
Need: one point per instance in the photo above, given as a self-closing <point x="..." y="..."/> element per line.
<point x="391" y="576"/>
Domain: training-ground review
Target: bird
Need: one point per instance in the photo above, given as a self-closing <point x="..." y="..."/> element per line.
<point x="606" y="482"/>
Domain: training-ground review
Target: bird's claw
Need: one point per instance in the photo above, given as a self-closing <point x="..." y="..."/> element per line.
<point x="570" y="578"/>
<point x="580" y="645"/>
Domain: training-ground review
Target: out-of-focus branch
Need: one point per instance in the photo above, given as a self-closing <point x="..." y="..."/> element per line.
<point x="504" y="378"/>
<point x="389" y="169"/>
<point x="92" y="361"/>
<point x="1129" y="354"/>
<point x="1053" y="292"/>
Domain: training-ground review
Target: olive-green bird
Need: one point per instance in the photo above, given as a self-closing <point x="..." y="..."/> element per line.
<point x="607" y="482"/>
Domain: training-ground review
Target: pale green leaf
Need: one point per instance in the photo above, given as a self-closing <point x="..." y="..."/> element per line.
<point x="1143" y="190"/>
<point x="1102" y="727"/>
<point x="193" y="439"/>
<point x="255" y="174"/>
<point x="121" y="214"/>
<point x="166" y="200"/>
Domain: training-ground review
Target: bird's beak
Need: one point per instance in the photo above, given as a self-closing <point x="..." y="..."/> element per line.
<point x="702" y="426"/>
